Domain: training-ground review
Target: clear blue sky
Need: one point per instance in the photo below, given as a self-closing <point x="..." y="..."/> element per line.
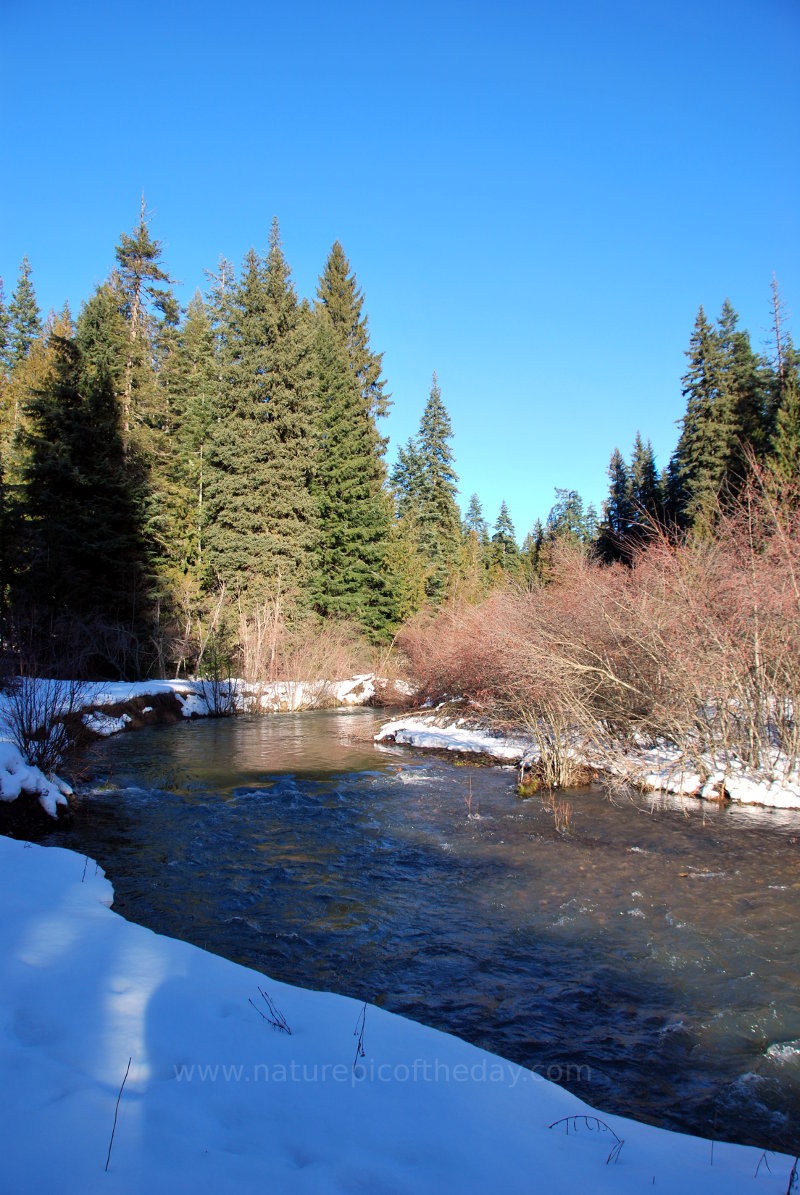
<point x="535" y="197"/>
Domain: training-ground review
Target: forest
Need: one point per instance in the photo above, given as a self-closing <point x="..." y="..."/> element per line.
<point x="182" y="490"/>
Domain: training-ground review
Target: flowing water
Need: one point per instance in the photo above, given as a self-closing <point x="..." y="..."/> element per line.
<point x="648" y="958"/>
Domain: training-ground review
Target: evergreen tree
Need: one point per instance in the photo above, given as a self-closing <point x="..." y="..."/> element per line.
<point x="189" y="379"/>
<point x="699" y="466"/>
<point x="23" y="321"/>
<point x="262" y="526"/>
<point x="475" y="559"/>
<point x="439" y="517"/>
<point x="645" y="487"/>
<point x="567" y="519"/>
<point x="145" y="288"/>
<point x="239" y="544"/>
<point x="351" y="503"/>
<point x="80" y="580"/>
<point x="744" y="381"/>
<point x="5" y="336"/>
<point x="475" y="522"/>
<point x="338" y="293"/>
<point x="619" y="512"/>
<point x="532" y="563"/>
<point x="785" y="455"/>
<point x="406" y="478"/>
<point x="292" y="419"/>
<point x="505" y="551"/>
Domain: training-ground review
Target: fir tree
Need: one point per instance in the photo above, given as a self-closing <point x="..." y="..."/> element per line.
<point x="645" y="487"/>
<point x="439" y="518"/>
<point x="406" y="478"/>
<point x="291" y="415"/>
<point x="338" y="293"/>
<point x="141" y="280"/>
<point x="81" y="549"/>
<point x="699" y="465"/>
<point x="239" y="547"/>
<point x="262" y="525"/>
<point x="785" y="455"/>
<point x="618" y="511"/>
<point x="189" y="378"/>
<point x="475" y="522"/>
<point x="505" y="551"/>
<point x="351" y="503"/>
<point x="567" y="519"/>
<point x="5" y="336"/>
<point x="24" y="322"/>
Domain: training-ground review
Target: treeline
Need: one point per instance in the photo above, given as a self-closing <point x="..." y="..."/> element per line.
<point x="180" y="483"/>
<point x="183" y="487"/>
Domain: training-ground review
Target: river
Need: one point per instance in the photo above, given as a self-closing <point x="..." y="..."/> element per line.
<point x="648" y="958"/>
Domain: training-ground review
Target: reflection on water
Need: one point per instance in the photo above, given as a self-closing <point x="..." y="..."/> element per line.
<point x="649" y="961"/>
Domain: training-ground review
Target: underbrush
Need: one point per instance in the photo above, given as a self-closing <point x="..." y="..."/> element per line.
<point x="696" y="644"/>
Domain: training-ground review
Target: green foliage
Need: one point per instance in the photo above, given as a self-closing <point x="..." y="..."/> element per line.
<point x="351" y="503"/>
<point x="786" y="441"/>
<point x="24" y="323"/>
<point x="505" y="551"/>
<point x="338" y="293"/>
<point x="5" y="330"/>
<point x="262" y="519"/>
<point x="80" y="548"/>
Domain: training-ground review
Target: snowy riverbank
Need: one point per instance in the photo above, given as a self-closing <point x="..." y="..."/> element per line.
<point x="654" y="769"/>
<point x="217" y="1100"/>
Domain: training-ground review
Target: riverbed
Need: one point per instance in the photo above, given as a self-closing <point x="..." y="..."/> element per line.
<point x="645" y="955"/>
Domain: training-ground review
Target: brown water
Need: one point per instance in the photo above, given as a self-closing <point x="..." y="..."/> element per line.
<point x="648" y="960"/>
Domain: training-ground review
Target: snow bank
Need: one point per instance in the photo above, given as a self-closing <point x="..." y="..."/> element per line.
<point x="218" y="1101"/>
<point x="17" y="777"/>
<point x="663" y="769"/>
<point x="425" y="732"/>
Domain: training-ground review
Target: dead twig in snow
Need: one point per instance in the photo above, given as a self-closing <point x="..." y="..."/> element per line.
<point x="116" y="1113"/>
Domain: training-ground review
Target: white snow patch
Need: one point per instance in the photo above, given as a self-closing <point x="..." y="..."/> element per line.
<point x="218" y="1102"/>
<point x="17" y="777"/>
<point x="104" y="724"/>
<point x="423" y="731"/>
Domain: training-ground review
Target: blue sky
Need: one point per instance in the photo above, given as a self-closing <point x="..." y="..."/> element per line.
<point x="535" y="198"/>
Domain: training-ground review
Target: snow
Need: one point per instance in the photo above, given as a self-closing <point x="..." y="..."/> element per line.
<point x="661" y="769"/>
<point x="217" y="1100"/>
<point x="425" y="732"/>
<point x="104" y="724"/>
<point x="17" y="777"/>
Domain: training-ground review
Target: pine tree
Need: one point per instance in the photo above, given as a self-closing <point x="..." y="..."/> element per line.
<point x="338" y="293"/>
<point x="24" y="320"/>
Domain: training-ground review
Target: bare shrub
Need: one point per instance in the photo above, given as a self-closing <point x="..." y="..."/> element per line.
<point x="697" y="643"/>
<point x="37" y="715"/>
